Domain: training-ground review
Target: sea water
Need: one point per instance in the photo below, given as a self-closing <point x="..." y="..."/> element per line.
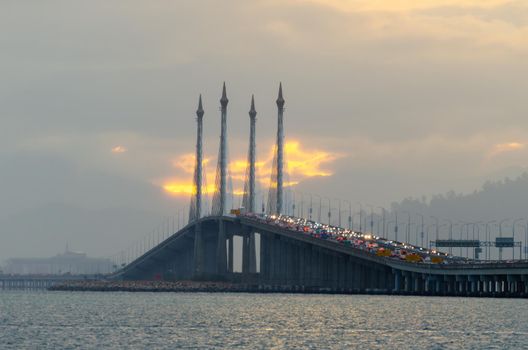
<point x="92" y="320"/>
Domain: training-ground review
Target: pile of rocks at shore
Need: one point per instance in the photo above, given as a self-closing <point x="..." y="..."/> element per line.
<point x="151" y="286"/>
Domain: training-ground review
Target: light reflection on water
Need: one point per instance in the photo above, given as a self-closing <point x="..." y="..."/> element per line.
<point x="57" y="320"/>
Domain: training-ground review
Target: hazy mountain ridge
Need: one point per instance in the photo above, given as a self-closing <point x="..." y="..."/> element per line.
<point x="495" y="200"/>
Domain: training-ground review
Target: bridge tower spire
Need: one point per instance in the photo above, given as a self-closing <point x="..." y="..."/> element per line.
<point x="220" y="194"/>
<point x="249" y="260"/>
<point x="280" y="150"/>
<point x="195" y="211"/>
<point x="249" y="187"/>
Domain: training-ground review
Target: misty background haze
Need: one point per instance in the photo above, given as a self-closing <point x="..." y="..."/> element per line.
<point x="402" y="100"/>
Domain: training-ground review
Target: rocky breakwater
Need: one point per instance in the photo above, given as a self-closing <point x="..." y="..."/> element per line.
<point x="150" y="286"/>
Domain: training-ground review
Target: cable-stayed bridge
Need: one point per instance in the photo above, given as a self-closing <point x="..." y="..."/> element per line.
<point x="286" y="253"/>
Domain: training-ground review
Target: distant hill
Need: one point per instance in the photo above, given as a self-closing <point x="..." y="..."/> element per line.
<point x="498" y="200"/>
<point x="494" y="201"/>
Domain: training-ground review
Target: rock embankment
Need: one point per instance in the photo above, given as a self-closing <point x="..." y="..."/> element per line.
<point x="151" y="286"/>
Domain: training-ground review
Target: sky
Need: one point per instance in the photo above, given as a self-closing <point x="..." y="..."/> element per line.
<point x="384" y="100"/>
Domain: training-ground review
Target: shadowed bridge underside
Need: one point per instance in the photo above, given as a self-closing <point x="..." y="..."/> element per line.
<point x="292" y="261"/>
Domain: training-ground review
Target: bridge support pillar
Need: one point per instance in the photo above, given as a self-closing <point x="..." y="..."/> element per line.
<point x="334" y="272"/>
<point x="315" y="267"/>
<point x="450" y="284"/>
<point x="301" y="257"/>
<point x="263" y="252"/>
<point x="249" y="259"/>
<point x="349" y="273"/>
<point x="417" y="279"/>
<point x="511" y="280"/>
<point x="274" y="259"/>
<point x="486" y="285"/>
<point x="358" y="281"/>
<point x="493" y="285"/>
<point x="460" y="284"/>
<point x="252" y="253"/>
<point x="397" y="281"/>
<point x="283" y="258"/>
<point x="439" y="285"/>
<point x="221" y="258"/>
<point x="289" y="258"/>
<point x="198" y="260"/>
<point x="473" y="284"/>
<point x="230" y="260"/>
<point x="431" y="289"/>
<point x="245" y="252"/>
<point x="407" y="281"/>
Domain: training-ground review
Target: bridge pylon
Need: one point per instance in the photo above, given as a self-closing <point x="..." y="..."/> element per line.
<point x="248" y="201"/>
<point x="276" y="191"/>
<point x="195" y="211"/>
<point x="220" y="194"/>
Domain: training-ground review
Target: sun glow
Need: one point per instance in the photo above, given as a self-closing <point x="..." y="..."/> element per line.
<point x="118" y="149"/>
<point x="301" y="163"/>
<point x="176" y="187"/>
<point x="505" y="147"/>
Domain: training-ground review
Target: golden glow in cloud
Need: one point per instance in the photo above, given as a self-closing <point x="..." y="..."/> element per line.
<point x="439" y="30"/>
<point x="186" y="163"/>
<point x="119" y="149"/>
<point x="301" y="163"/>
<point x="306" y="163"/>
<point x="404" y="5"/>
<point x="179" y="187"/>
<point x="505" y="147"/>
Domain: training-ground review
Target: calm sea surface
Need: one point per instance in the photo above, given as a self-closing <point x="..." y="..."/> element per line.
<point x="63" y="320"/>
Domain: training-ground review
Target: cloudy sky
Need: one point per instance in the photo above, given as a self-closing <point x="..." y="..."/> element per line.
<point x="385" y="99"/>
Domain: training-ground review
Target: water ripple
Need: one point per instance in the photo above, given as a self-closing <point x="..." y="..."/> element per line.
<point x="62" y="320"/>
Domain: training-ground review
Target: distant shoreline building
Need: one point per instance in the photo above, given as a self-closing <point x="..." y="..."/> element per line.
<point x="69" y="262"/>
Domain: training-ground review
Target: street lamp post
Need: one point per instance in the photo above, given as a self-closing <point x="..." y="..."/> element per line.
<point x="526" y="240"/>
<point x="302" y="205"/>
<point x="388" y="225"/>
<point x="462" y="226"/>
<point x="488" y="238"/>
<point x="320" y="205"/>
<point x="476" y="225"/>
<point x="450" y="233"/>
<point x="422" y="229"/>
<point x="371" y="218"/>
<point x="427" y="229"/>
<point x="293" y="203"/>
<point x="339" y="213"/>
<point x="396" y="226"/>
<point x="329" y="210"/>
<point x="360" y="217"/>
<point x="408" y="229"/>
<point x="383" y="211"/>
<point x="500" y="235"/>
<point x="513" y="235"/>
<point x="349" y="215"/>
<point x="311" y="207"/>
<point x="437" y="226"/>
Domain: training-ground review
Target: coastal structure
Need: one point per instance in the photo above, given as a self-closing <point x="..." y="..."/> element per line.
<point x="297" y="254"/>
<point x="68" y="262"/>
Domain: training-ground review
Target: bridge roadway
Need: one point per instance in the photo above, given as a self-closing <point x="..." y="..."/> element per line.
<point x="295" y="261"/>
<point x="39" y="281"/>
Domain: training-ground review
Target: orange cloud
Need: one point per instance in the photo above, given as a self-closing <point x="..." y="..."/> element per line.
<point x="119" y="149"/>
<point x="505" y="147"/>
<point x="186" y="162"/>
<point x="301" y="163"/>
<point x="179" y="187"/>
<point x="306" y="163"/>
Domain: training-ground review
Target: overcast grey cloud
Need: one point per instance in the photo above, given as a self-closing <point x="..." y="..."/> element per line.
<point x="408" y="98"/>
